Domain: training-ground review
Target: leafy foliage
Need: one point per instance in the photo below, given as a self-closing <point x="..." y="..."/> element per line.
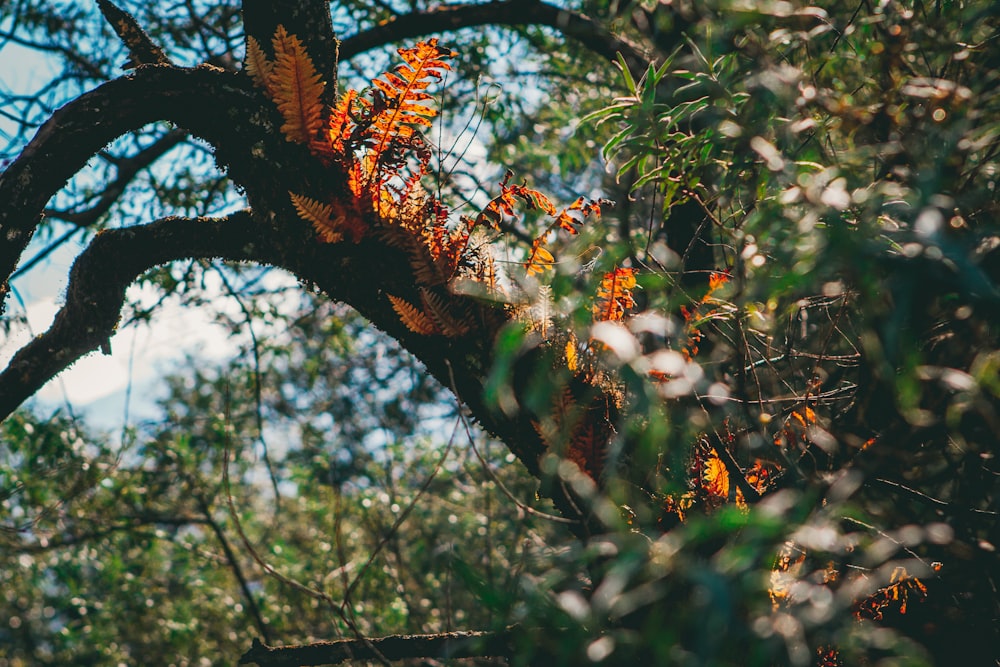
<point x="770" y="387"/>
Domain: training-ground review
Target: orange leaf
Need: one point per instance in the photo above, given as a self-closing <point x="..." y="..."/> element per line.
<point x="412" y="317"/>
<point x="296" y="88"/>
<point x="339" y="127"/>
<point x="320" y="215"/>
<point x="258" y="66"/>
<point x="614" y="296"/>
<point x="571" y="354"/>
<point x="539" y="259"/>
<point x="403" y="90"/>
<point x="715" y="477"/>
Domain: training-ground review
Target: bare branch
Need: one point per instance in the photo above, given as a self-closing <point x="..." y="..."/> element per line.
<point x="591" y="34"/>
<point x="142" y="50"/>
<point x="127" y="169"/>
<point x="204" y="100"/>
<point x="445" y="645"/>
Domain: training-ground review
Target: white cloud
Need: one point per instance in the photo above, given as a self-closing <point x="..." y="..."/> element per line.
<point x="141" y="355"/>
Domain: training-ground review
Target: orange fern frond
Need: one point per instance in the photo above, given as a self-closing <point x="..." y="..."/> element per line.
<point x="450" y="324"/>
<point x="412" y="317"/>
<point x="552" y="429"/>
<point x="258" y="66"/>
<point x="296" y="88"/>
<point x="320" y="215"/>
<point x="331" y="143"/>
<point x="504" y="203"/>
<point x="404" y="94"/>
<point x="447" y="247"/>
<point x="614" y="296"/>
<point x="715" y="477"/>
<point x="896" y="596"/>
<point x="539" y="259"/>
<point x="586" y="449"/>
<point x="569" y="219"/>
<point x="571" y="355"/>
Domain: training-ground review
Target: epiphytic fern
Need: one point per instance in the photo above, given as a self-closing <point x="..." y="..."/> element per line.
<point x="614" y="296"/>
<point x="401" y="102"/>
<point x="320" y="215"/>
<point x="292" y="81"/>
<point x="412" y="317"/>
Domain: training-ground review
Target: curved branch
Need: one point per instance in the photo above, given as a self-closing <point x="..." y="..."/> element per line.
<point x="224" y="109"/>
<point x="212" y="104"/>
<point x="591" y="34"/>
<point x="96" y="291"/>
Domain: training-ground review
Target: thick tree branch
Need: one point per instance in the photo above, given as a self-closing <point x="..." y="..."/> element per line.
<point x="205" y="100"/>
<point x="241" y="124"/>
<point x="446" y="645"/>
<point x="503" y="12"/>
<point x="96" y="292"/>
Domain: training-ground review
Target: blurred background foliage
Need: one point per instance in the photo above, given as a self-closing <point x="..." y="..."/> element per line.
<point x="809" y="197"/>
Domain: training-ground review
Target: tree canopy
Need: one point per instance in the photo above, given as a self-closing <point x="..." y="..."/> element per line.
<point x="592" y="332"/>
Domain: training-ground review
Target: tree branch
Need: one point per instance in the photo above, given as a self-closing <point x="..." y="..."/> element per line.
<point x="212" y="104"/>
<point x="142" y="49"/>
<point x="96" y="292"/>
<point x="502" y="12"/>
<point x="224" y="109"/>
<point x="127" y="169"/>
<point x="446" y="645"/>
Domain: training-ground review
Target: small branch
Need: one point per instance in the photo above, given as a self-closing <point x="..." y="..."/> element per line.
<point x="126" y="170"/>
<point x="591" y="34"/>
<point x="142" y="50"/>
<point x="929" y="500"/>
<point x="234" y="564"/>
<point x="445" y="645"/>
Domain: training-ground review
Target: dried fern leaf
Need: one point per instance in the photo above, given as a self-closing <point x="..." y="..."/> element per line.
<point x="320" y="215"/>
<point x="586" y="449"/>
<point x="412" y="317"/>
<point x="424" y="270"/>
<point x="614" y="295"/>
<point x="541" y="311"/>
<point x="450" y="324"/>
<point x="258" y="66"/>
